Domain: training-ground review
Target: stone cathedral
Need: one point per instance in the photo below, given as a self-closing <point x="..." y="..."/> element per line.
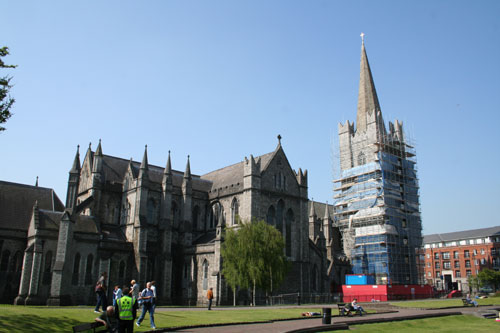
<point x="145" y="222"/>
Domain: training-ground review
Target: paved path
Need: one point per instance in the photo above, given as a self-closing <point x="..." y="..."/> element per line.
<point x="290" y="325"/>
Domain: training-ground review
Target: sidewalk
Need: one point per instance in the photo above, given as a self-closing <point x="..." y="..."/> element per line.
<point x="311" y="323"/>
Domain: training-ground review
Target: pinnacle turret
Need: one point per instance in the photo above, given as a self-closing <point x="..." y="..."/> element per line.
<point x="76" y="163"/>
<point x="187" y="173"/>
<point x="312" y="211"/>
<point x="143" y="171"/>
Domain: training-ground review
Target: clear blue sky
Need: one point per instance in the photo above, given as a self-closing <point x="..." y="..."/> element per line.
<point x="218" y="80"/>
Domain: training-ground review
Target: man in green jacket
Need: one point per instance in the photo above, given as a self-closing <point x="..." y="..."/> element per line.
<point x="126" y="311"/>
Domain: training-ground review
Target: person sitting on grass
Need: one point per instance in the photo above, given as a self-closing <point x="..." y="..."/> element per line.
<point x="108" y="319"/>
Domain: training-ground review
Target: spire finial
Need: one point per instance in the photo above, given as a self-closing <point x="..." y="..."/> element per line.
<point x="362" y="38"/>
<point x="36" y="184"/>
<point x="279" y="139"/>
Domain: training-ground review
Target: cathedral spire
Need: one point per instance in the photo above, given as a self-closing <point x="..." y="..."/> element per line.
<point x="367" y="95"/>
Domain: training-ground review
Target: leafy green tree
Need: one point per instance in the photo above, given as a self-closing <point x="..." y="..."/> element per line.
<point x="489" y="277"/>
<point x="474" y="283"/>
<point x="5" y="100"/>
<point x="253" y="256"/>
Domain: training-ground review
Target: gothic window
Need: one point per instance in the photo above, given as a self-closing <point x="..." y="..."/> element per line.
<point x="215" y="215"/>
<point x="151" y="207"/>
<point x="195" y="217"/>
<point x="121" y="271"/>
<point x="126" y="212"/>
<point x="16" y="263"/>
<point x="234" y="212"/>
<point x="76" y="270"/>
<point x="174" y="215"/>
<point x="288" y="232"/>
<point x="279" y="216"/>
<point x="271" y="215"/>
<point x="205" y="274"/>
<point x="88" y="270"/>
<point x="4" y="264"/>
<point x="361" y="159"/>
<point x="314" y="277"/>
<point x="47" y="267"/>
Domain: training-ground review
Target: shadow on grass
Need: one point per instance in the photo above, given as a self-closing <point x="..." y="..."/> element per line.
<point x="35" y="323"/>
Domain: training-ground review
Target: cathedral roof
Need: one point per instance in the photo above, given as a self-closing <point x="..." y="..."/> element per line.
<point x="50" y="220"/>
<point x="319" y="208"/>
<point x="115" y="169"/>
<point x="233" y="174"/>
<point x="17" y="201"/>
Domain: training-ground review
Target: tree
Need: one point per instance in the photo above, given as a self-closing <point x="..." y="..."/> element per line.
<point x="474" y="283"/>
<point x="5" y="100"/>
<point x="253" y="256"/>
<point x="489" y="277"/>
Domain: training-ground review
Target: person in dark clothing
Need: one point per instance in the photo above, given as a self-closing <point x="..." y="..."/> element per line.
<point x="109" y="319"/>
<point x="100" y="290"/>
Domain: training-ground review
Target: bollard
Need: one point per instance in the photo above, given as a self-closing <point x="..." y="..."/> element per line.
<point x="327" y="316"/>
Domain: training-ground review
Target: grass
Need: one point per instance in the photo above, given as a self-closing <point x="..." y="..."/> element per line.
<point x="451" y="324"/>
<point x="62" y="319"/>
<point x="444" y="303"/>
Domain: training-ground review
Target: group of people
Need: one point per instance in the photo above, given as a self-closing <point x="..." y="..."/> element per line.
<point x="120" y="316"/>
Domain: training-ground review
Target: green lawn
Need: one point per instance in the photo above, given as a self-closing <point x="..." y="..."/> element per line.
<point x="443" y="303"/>
<point x="451" y="324"/>
<point x="61" y="319"/>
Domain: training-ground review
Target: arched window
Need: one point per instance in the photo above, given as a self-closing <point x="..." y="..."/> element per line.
<point x="47" y="268"/>
<point x="234" y="212"/>
<point x="174" y="215"/>
<point x="205" y="274"/>
<point x="361" y="159"/>
<point x="126" y="212"/>
<point x="279" y="216"/>
<point x="215" y="215"/>
<point x="271" y="215"/>
<point x="76" y="270"/>
<point x="16" y="263"/>
<point x="151" y="207"/>
<point x="121" y="271"/>
<point x="314" y="278"/>
<point x="288" y="232"/>
<point x="195" y="217"/>
<point x="4" y="264"/>
<point x="88" y="269"/>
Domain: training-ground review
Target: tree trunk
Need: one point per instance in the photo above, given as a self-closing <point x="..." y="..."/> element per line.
<point x="271" y="274"/>
<point x="254" y="284"/>
<point x="235" y="290"/>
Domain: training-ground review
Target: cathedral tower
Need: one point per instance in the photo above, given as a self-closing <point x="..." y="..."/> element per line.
<point x="377" y="200"/>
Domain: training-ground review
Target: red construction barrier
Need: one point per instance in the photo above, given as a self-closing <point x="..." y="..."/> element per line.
<point x="384" y="292"/>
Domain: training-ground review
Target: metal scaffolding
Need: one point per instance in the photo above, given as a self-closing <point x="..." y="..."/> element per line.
<point x="377" y="211"/>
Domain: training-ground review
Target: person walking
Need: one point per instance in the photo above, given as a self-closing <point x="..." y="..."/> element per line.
<point x="126" y="311"/>
<point x="210" y="297"/>
<point x="100" y="290"/>
<point x="147" y="306"/>
<point x="153" y="288"/>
